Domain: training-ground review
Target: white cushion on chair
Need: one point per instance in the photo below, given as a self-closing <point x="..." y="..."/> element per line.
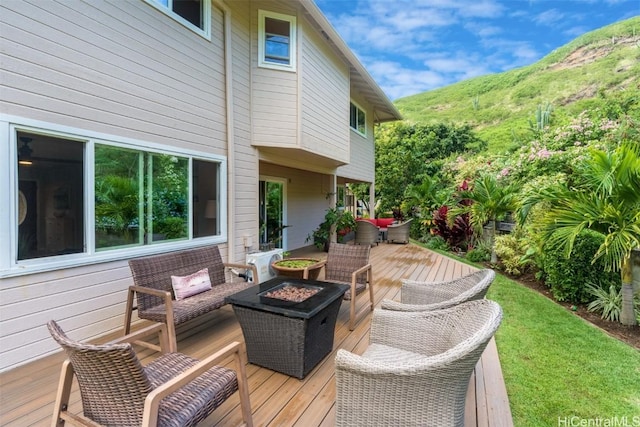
<point x="186" y="286"/>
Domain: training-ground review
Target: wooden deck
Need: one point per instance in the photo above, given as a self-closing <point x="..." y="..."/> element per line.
<point x="27" y="393"/>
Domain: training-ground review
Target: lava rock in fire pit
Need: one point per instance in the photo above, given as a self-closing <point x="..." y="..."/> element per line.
<point x="292" y="293"/>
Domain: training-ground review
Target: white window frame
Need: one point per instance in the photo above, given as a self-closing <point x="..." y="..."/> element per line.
<point x="168" y="10"/>
<point x="10" y="266"/>
<point x="364" y="113"/>
<point x="262" y="60"/>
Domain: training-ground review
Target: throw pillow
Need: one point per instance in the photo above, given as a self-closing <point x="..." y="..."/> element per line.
<point x="186" y="286"/>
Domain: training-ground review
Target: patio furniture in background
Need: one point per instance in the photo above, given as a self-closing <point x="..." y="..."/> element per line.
<point x="399" y="233"/>
<point x="417" y="367"/>
<point x="290" y="337"/>
<point x="173" y="389"/>
<point x="349" y="264"/>
<point x="421" y="296"/>
<point x="154" y="291"/>
<point x="366" y="233"/>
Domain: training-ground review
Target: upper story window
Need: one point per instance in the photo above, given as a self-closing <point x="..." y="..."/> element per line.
<point x="84" y="198"/>
<point x="194" y="14"/>
<point x="358" y="119"/>
<point x="276" y="40"/>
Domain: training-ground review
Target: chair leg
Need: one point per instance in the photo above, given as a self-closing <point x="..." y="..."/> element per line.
<point x="128" y="312"/>
<point x="243" y="387"/>
<point x="352" y="306"/>
<point x="370" y="280"/>
<point x="63" y="393"/>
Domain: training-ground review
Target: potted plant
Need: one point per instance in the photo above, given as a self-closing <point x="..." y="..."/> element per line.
<point x="343" y="222"/>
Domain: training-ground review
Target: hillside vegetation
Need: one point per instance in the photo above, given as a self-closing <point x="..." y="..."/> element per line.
<point x="501" y="107"/>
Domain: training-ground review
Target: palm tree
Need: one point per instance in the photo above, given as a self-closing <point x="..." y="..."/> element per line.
<point x="605" y="198"/>
<point x="488" y="201"/>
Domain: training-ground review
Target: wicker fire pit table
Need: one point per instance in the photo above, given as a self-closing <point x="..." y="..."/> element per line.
<point x="288" y="336"/>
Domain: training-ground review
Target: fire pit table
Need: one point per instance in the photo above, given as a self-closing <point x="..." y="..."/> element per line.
<point x="290" y="336"/>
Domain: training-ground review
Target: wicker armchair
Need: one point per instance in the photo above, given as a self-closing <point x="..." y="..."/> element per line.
<point x="417" y="367"/>
<point x="349" y="264"/>
<point x="117" y="390"/>
<point x="421" y="296"/>
<point x="366" y="233"/>
<point x="399" y="232"/>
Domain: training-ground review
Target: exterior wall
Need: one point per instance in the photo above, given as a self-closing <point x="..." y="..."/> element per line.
<point x="324" y="93"/>
<point x="129" y="73"/>
<point x="274" y="93"/>
<point x="361" y="165"/>
<point x="124" y="70"/>
<point x="306" y="109"/>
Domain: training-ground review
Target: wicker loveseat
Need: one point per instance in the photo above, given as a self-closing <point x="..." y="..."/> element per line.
<point x="155" y="296"/>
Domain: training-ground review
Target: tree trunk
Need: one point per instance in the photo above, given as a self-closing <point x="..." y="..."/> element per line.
<point x="628" y="315"/>
<point x="494" y="256"/>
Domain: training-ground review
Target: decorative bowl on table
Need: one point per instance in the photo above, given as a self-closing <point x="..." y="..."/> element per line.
<point x="295" y="267"/>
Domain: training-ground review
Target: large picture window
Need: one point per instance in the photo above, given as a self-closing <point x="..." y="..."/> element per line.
<point x="129" y="196"/>
<point x="277" y="40"/>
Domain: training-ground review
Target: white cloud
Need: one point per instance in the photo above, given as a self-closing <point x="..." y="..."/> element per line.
<point x="549" y="17"/>
<point x="411" y="46"/>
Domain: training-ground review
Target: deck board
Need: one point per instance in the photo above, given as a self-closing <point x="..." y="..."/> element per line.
<point x="27" y="393"/>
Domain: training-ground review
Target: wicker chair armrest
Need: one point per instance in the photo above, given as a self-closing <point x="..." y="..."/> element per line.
<point x="152" y="402"/>
<point x="361" y="270"/>
<point x="150" y="291"/>
<point x="368" y="368"/>
<point x="388" y="304"/>
<point x="159" y="329"/>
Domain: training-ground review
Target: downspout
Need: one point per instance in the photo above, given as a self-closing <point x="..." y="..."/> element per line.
<point x="231" y="205"/>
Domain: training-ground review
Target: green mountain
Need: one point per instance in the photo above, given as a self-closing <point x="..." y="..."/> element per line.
<point x="577" y="76"/>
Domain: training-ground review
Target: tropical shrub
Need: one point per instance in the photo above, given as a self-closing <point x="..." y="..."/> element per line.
<point x="457" y="233"/>
<point x="512" y="253"/>
<point x="568" y="277"/>
<point x="481" y="253"/>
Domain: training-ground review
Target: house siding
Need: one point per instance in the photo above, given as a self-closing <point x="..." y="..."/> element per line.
<point x="324" y="97"/>
<point x="361" y="166"/>
<point x="114" y="68"/>
<point x="123" y="71"/>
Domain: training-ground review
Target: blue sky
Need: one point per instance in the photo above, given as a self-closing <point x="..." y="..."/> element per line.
<point x="418" y="45"/>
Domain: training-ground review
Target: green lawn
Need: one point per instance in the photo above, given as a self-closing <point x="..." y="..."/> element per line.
<point x="558" y="368"/>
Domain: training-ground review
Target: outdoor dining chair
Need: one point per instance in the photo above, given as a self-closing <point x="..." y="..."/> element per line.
<point x="172" y="390"/>
<point x="417" y="367"/>
<point x="367" y="233"/>
<point x="421" y="296"/>
<point x="349" y="264"/>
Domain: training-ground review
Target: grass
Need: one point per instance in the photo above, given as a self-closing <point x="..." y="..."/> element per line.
<point x="559" y="367"/>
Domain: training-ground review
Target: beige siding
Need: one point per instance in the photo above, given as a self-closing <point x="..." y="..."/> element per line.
<point x="361" y="165"/>
<point x="325" y="98"/>
<point x="274" y="99"/>
<point x="114" y="67"/>
<point x="123" y="69"/>
<point x="245" y="167"/>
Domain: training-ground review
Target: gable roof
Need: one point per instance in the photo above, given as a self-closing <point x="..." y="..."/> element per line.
<point x="361" y="80"/>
